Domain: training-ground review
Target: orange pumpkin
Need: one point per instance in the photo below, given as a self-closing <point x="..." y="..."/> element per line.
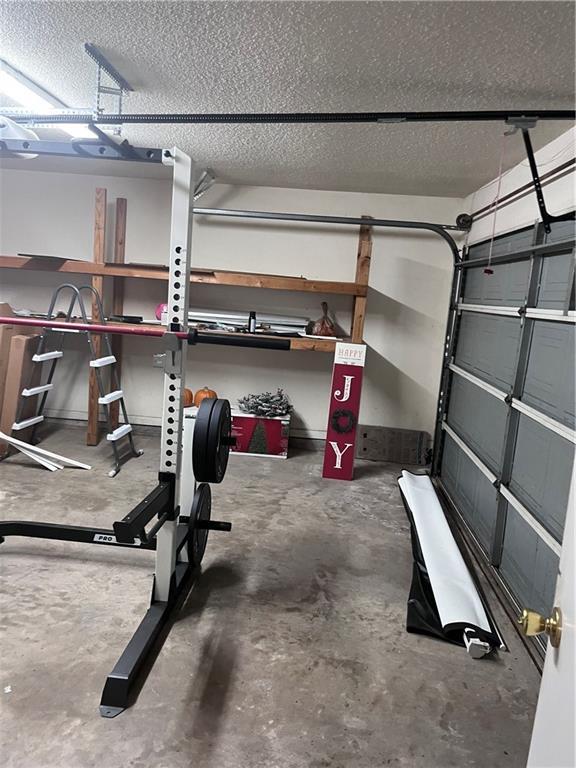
<point x="188" y="398"/>
<point x="201" y="394"/>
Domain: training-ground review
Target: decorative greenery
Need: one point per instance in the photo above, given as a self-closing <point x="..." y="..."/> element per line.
<point x="266" y="404"/>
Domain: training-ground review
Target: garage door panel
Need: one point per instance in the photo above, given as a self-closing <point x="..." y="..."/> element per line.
<point x="488" y="347"/>
<point x="535" y="360"/>
<point x="480" y="420"/>
<point x="561" y="230"/>
<point x="528" y="566"/>
<point x="549" y="384"/>
<point x="514" y="241"/>
<point x="556" y="281"/>
<point x="471" y="491"/>
<point x="507" y="286"/>
<point x="541" y="472"/>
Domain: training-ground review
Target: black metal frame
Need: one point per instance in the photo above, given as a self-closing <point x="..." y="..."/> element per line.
<point x="78" y="533"/>
<point x="251" y="118"/>
<point x="547" y="218"/>
<point x="123" y="681"/>
<point x="103" y="149"/>
<point x="97" y="56"/>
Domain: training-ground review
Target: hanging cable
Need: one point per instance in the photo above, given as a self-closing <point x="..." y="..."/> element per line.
<point x="488" y="269"/>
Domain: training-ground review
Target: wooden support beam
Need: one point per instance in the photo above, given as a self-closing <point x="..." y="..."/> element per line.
<point x="99" y="253"/>
<point x="362" y="276"/>
<point x="118" y="296"/>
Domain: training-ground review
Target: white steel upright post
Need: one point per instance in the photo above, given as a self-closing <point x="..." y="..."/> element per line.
<point x="175" y="361"/>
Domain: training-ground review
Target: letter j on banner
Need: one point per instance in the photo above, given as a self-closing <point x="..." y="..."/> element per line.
<point x="344" y="410"/>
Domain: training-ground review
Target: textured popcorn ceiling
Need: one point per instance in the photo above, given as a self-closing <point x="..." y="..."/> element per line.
<point x="317" y="56"/>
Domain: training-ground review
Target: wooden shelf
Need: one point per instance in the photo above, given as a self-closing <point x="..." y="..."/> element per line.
<point x="203" y="276"/>
<point x="118" y="270"/>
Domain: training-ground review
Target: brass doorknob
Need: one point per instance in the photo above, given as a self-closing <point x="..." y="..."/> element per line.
<point x="533" y="623"/>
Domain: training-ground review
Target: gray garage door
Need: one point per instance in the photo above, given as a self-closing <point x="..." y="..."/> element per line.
<point x="507" y="407"/>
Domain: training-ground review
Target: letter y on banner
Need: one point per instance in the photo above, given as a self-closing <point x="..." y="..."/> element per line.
<point x="344" y="411"/>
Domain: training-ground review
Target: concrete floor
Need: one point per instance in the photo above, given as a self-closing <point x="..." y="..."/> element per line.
<point x="290" y="653"/>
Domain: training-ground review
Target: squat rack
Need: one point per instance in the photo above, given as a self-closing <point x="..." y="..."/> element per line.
<point x="169" y="535"/>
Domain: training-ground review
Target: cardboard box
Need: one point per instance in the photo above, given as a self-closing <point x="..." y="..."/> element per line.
<point x="6" y="334"/>
<point x="22" y="372"/>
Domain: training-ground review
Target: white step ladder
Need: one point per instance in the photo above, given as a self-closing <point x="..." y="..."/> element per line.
<point x="97" y="364"/>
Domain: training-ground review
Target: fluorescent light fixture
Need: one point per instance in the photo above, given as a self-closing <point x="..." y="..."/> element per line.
<point x="25" y="92"/>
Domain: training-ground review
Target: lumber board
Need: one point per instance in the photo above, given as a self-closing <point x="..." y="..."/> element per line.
<point x="118" y="297"/>
<point x="363" y="260"/>
<point x="93" y="430"/>
<point x="204" y="276"/>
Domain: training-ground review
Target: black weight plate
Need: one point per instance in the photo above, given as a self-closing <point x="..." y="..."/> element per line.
<point x="219" y="439"/>
<point x="211" y="441"/>
<point x="197" y="537"/>
<point x="200" y="461"/>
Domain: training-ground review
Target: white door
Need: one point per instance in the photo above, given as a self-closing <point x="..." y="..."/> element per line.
<point x="553" y="738"/>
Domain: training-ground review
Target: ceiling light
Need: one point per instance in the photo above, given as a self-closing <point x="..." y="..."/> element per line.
<point x="25" y="92"/>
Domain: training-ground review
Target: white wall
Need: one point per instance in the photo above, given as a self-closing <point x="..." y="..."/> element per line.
<point x="560" y="194"/>
<point x="52" y="213"/>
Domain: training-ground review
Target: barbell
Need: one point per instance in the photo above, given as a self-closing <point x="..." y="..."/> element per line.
<point x="213" y="425"/>
<point x="192" y="336"/>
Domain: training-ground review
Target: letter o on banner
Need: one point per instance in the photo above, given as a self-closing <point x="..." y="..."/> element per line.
<point x="343" y="421"/>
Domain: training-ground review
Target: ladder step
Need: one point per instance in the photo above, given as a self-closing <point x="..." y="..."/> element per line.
<point x="111" y="397"/>
<point x="46" y="356"/>
<point x="27" y="423"/>
<point x="36" y="390"/>
<point x="119" y="432"/>
<point x="102" y="361"/>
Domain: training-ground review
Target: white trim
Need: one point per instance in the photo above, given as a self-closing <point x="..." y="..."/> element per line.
<point x="479" y="382"/>
<point x="546" y="421"/>
<point x="506" y="493"/>
<point x="51" y="465"/>
<point x="119" y="432"/>
<point x="534" y="313"/>
<point x="18" y="425"/>
<point x="36" y="449"/>
<point x="470" y="453"/>
<point x="531" y="520"/>
<point x="489" y="309"/>
<point x="100" y="362"/>
<point x="111" y="397"/>
<point x="36" y="390"/>
<point x="532" y="413"/>
<point x="551" y="314"/>
<point x="47" y="356"/>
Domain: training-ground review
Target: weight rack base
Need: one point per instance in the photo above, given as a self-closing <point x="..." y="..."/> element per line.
<point x="131" y="669"/>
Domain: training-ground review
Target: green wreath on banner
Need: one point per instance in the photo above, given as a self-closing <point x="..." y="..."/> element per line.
<point x="337" y="424"/>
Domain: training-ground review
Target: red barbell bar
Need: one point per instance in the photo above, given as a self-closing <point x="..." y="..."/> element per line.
<point x="127" y="330"/>
<point x="193" y="336"/>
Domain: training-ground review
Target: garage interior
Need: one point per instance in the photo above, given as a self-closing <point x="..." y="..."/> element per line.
<point x="387" y="180"/>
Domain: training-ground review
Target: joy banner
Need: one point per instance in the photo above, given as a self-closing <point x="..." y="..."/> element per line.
<point x="344" y="410"/>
